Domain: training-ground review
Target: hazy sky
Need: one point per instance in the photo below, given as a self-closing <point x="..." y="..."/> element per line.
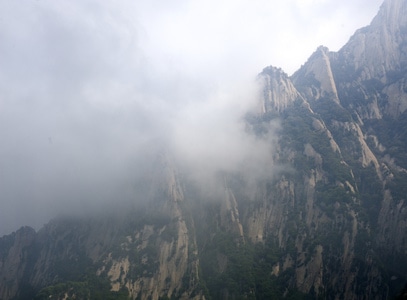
<point x="87" y="88"/>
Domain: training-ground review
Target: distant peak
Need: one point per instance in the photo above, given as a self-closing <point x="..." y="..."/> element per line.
<point x="322" y="49"/>
<point x="317" y="70"/>
<point x="274" y="71"/>
<point x="279" y="92"/>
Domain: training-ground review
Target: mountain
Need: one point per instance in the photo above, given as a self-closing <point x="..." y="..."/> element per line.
<point x="327" y="222"/>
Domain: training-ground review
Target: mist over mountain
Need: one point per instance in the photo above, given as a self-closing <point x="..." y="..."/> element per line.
<point x="87" y="102"/>
<point x="289" y="187"/>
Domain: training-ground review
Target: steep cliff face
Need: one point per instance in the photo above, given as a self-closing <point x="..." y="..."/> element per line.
<point x="378" y="50"/>
<point x="358" y="97"/>
<point x="335" y="215"/>
<point x="370" y="68"/>
<point x="330" y="223"/>
<point x="315" y="79"/>
<point x="279" y="91"/>
<point x="146" y="252"/>
<point x="375" y="94"/>
<point x="15" y="262"/>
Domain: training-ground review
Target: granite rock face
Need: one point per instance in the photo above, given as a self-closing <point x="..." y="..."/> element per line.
<point x="328" y="222"/>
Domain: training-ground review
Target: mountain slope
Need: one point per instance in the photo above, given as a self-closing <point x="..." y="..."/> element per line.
<point x="328" y="220"/>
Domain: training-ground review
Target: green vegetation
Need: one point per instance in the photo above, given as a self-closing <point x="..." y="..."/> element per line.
<point x="329" y="195"/>
<point x="393" y="134"/>
<point x="398" y="186"/>
<point x="231" y="268"/>
<point x="93" y="288"/>
<point x="79" y="290"/>
<point x="72" y="269"/>
<point x="330" y="110"/>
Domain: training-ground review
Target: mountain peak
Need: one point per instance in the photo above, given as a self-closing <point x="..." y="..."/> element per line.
<point x="279" y="91"/>
<point x="315" y="78"/>
<point x="379" y="48"/>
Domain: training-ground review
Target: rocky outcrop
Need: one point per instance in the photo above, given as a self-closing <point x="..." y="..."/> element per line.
<point x="377" y="51"/>
<point x="146" y="252"/>
<point x="15" y="262"/>
<point x="370" y="68"/>
<point x="279" y="92"/>
<point x="176" y="258"/>
<point x="315" y="79"/>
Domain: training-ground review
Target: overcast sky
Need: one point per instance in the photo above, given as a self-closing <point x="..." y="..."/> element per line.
<point x="88" y="87"/>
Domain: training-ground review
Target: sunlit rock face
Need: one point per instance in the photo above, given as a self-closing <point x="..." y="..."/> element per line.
<point x="315" y="79"/>
<point x="378" y="49"/>
<point x="327" y="218"/>
<point x="372" y="64"/>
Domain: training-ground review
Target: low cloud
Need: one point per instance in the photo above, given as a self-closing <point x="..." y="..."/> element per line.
<point x="90" y="90"/>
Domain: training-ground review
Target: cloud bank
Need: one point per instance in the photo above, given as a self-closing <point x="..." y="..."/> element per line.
<point x="89" y="88"/>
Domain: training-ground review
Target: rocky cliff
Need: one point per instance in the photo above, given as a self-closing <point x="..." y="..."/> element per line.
<point x="327" y="222"/>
